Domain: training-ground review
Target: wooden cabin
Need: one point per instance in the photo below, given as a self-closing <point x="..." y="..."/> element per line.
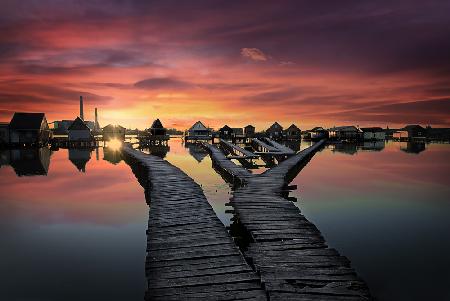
<point x="4" y="133"/>
<point x="345" y="133"/>
<point x="238" y="132"/>
<point x="157" y="129"/>
<point x="249" y="131"/>
<point x="316" y="134"/>
<point x="293" y="133"/>
<point x="373" y="133"/>
<point x="29" y="129"/>
<point x="199" y="132"/>
<point x="275" y="131"/>
<point x="111" y="132"/>
<point x="415" y="131"/>
<point x="226" y="132"/>
<point x="79" y="131"/>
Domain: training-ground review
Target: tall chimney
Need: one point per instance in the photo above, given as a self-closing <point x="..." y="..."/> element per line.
<point x="81" y="108"/>
<point x="97" y="126"/>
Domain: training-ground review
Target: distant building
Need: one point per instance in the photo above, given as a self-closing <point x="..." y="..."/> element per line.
<point x="238" y="132"/>
<point x="293" y="133"/>
<point x="226" y="132"/>
<point x="29" y="129"/>
<point x="4" y="133"/>
<point x="316" y="134"/>
<point x="345" y="133"/>
<point x="79" y="131"/>
<point x="275" y="131"/>
<point x="400" y="135"/>
<point x="249" y="131"/>
<point x="199" y="132"/>
<point x="61" y="127"/>
<point x="415" y="131"/>
<point x="438" y="133"/>
<point x="373" y="133"/>
<point x="113" y="132"/>
<point x="157" y="129"/>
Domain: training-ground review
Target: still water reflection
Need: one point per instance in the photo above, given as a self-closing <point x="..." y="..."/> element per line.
<point x="73" y="222"/>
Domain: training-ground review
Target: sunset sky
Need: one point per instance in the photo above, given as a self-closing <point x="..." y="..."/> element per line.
<point x="313" y="63"/>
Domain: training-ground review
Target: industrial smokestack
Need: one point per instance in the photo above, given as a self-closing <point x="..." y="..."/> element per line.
<point x="97" y="126"/>
<point x="81" y="108"/>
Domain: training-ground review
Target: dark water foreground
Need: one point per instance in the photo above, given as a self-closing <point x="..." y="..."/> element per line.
<point x="74" y="235"/>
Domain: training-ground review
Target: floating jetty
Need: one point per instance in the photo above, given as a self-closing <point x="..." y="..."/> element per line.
<point x="286" y="250"/>
<point x="190" y="255"/>
<point x="237" y="151"/>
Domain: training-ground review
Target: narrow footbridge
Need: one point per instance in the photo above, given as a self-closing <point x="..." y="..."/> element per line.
<point x="286" y="250"/>
<point x="190" y="255"/>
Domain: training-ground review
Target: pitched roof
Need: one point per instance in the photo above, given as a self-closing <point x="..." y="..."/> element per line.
<point x="249" y="126"/>
<point x="345" y="128"/>
<point x="113" y="127"/>
<point x="275" y="125"/>
<point x="413" y="126"/>
<point x="293" y="126"/>
<point x="198" y="126"/>
<point x="226" y="128"/>
<point x="372" y="129"/>
<point x="157" y="124"/>
<point x="27" y="121"/>
<point x="317" y="128"/>
<point x="78" y="124"/>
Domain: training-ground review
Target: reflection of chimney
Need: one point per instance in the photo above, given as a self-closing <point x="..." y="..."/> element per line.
<point x="81" y="108"/>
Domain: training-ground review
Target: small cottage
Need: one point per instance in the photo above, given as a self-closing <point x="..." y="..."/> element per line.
<point x="111" y="132"/>
<point x="157" y="129"/>
<point x="238" y="132"/>
<point x="226" y="132"/>
<point x="29" y="129"/>
<point x="249" y="131"/>
<point x="199" y="132"/>
<point x="373" y="133"/>
<point x="275" y="131"/>
<point x="293" y="133"/>
<point x="79" y="131"/>
<point x="316" y="134"/>
<point x="415" y="131"/>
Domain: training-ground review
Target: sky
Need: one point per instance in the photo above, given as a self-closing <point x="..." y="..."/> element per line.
<point x="312" y="63"/>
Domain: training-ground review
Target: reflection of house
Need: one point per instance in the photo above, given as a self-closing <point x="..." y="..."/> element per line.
<point x="199" y="132"/>
<point x="4" y="133"/>
<point x="345" y="133"/>
<point x="316" y="134"/>
<point x="30" y="161"/>
<point x="226" y="132"/>
<point x="373" y="133"/>
<point x="79" y="131"/>
<point x="438" y="133"/>
<point x="374" y="145"/>
<point x="111" y="132"/>
<point x="160" y="150"/>
<point x="29" y="128"/>
<point x="346" y="148"/>
<point x="111" y="155"/>
<point x="292" y="132"/>
<point x="249" y="131"/>
<point x="196" y="151"/>
<point x="400" y="135"/>
<point x="79" y="158"/>
<point x="275" y="131"/>
<point x="413" y="147"/>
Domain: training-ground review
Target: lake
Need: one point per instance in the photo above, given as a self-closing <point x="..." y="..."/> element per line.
<point x="73" y="222"/>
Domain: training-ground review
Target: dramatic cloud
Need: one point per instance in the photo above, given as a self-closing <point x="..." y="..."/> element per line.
<point x="325" y="63"/>
<point x="254" y="54"/>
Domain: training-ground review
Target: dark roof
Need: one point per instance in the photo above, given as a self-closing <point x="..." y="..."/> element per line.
<point x="372" y="129"/>
<point x="249" y="126"/>
<point x="112" y="127"/>
<point x="274" y="126"/>
<point x="157" y="124"/>
<point x="26" y="121"/>
<point x="317" y="128"/>
<point x="413" y="127"/>
<point x="226" y="128"/>
<point x="78" y="124"/>
<point x="293" y="126"/>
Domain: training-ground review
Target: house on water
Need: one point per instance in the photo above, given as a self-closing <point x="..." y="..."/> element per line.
<point x="345" y="133"/>
<point x="292" y="133"/>
<point x="226" y="132"/>
<point x="4" y="133"/>
<point x="79" y="132"/>
<point x="111" y="132"/>
<point x="415" y="131"/>
<point x="158" y="130"/>
<point x="30" y="161"/>
<point x="198" y="132"/>
<point x="249" y="131"/>
<point x="29" y="129"/>
<point x="316" y="134"/>
<point x="275" y="131"/>
<point x="373" y="133"/>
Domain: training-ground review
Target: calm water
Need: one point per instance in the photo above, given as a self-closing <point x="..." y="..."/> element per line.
<point x="78" y="233"/>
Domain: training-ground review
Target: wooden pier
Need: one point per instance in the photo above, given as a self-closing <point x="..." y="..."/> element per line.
<point x="286" y="250"/>
<point x="237" y="151"/>
<point x="284" y="149"/>
<point x="190" y="255"/>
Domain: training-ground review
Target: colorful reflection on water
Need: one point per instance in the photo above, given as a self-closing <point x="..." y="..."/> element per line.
<point x="80" y="226"/>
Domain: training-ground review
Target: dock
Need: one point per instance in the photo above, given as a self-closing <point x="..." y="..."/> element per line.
<point x="190" y="255"/>
<point x="280" y="147"/>
<point x="286" y="250"/>
<point x="263" y="147"/>
<point x="237" y="151"/>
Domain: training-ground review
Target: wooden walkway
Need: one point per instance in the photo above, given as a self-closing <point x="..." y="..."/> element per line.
<point x="240" y="152"/>
<point x="190" y="255"/>
<point x="288" y="251"/>
<point x="280" y="147"/>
